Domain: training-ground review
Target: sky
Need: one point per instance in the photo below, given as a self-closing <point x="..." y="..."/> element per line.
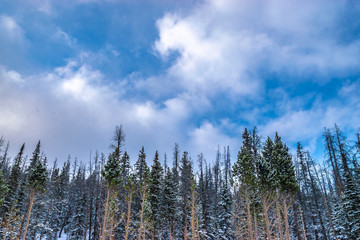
<point x="194" y="73"/>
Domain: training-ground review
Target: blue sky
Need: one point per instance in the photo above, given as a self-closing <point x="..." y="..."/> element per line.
<point x="192" y="72"/>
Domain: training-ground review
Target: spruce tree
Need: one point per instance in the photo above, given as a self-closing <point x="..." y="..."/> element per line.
<point x="245" y="180"/>
<point x="112" y="175"/>
<point x="347" y="212"/>
<point x="13" y="182"/>
<point x="35" y="158"/>
<point x="78" y="195"/>
<point x="156" y="175"/>
<point x="37" y="183"/>
<point x="125" y="166"/>
<point x="267" y="186"/>
<point x="169" y="203"/>
<point x="185" y="193"/>
<point x="78" y="220"/>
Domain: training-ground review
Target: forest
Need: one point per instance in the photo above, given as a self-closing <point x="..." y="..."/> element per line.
<point x="264" y="192"/>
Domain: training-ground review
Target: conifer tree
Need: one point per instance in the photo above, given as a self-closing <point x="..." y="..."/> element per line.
<point x="244" y="174"/>
<point x="125" y="166"/>
<point x="185" y="192"/>
<point x="112" y="175"/>
<point x="36" y="183"/>
<point x="169" y="203"/>
<point x="77" y="219"/>
<point x="347" y="212"/>
<point x="143" y="183"/>
<point x="3" y="189"/>
<point x="13" y="182"/>
<point x="130" y="189"/>
<point x="286" y="179"/>
<point x="225" y="212"/>
<point x="267" y="184"/>
<point x="35" y="158"/>
<point x="142" y="173"/>
<point x="156" y="175"/>
<point x="64" y="196"/>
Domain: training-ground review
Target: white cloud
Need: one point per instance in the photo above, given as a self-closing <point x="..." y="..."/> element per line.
<point x="73" y="111"/>
<point x="221" y="50"/>
<point x="208" y="61"/>
<point x="307" y="125"/>
<point x="63" y="36"/>
<point x="207" y="138"/>
<point x="10" y="28"/>
<point x="223" y="46"/>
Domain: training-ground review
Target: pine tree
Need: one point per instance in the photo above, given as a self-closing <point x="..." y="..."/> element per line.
<point x="156" y="175"/>
<point x="225" y="212"/>
<point x="64" y="196"/>
<point x="13" y="182"/>
<point x="347" y="212"/>
<point x="141" y="166"/>
<point x="112" y="175"/>
<point x="78" y="199"/>
<point x="37" y="183"/>
<point x="185" y="194"/>
<point x="55" y="206"/>
<point x="143" y="192"/>
<point x="125" y="167"/>
<point x="77" y="230"/>
<point x="35" y="158"/>
<point x="130" y="189"/>
<point x="169" y="203"/>
<point x="267" y="186"/>
<point x="245" y="179"/>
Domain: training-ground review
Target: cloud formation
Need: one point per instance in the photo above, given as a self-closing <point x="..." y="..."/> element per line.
<point x="202" y="74"/>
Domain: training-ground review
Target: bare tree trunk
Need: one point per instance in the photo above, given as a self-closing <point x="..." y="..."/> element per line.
<point x="256" y="230"/>
<point x="185" y="232"/>
<point x="316" y="202"/>
<point x="193" y="215"/>
<point x="22" y="224"/>
<point x="142" y="212"/>
<point x="105" y="215"/>
<point x="279" y="221"/>
<point x="90" y="213"/>
<point x="296" y="219"/>
<point x="266" y="206"/>
<point x="334" y="163"/>
<point x="32" y="196"/>
<point x="127" y="225"/>
<point x="86" y="226"/>
<point x="286" y="219"/>
<point x="323" y="194"/>
<point x="248" y="213"/>
<point x="303" y="223"/>
<point x="112" y="227"/>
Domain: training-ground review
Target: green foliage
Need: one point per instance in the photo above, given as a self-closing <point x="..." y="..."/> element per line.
<point x="155" y="191"/>
<point x="282" y="164"/>
<point x="112" y="171"/>
<point x="244" y="168"/>
<point x="267" y="175"/>
<point x="276" y="170"/>
<point x="38" y="177"/>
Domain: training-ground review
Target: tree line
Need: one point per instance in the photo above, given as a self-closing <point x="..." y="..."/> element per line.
<point x="263" y="193"/>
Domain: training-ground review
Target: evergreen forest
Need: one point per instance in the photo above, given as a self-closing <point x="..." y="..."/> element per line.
<point x="265" y="192"/>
